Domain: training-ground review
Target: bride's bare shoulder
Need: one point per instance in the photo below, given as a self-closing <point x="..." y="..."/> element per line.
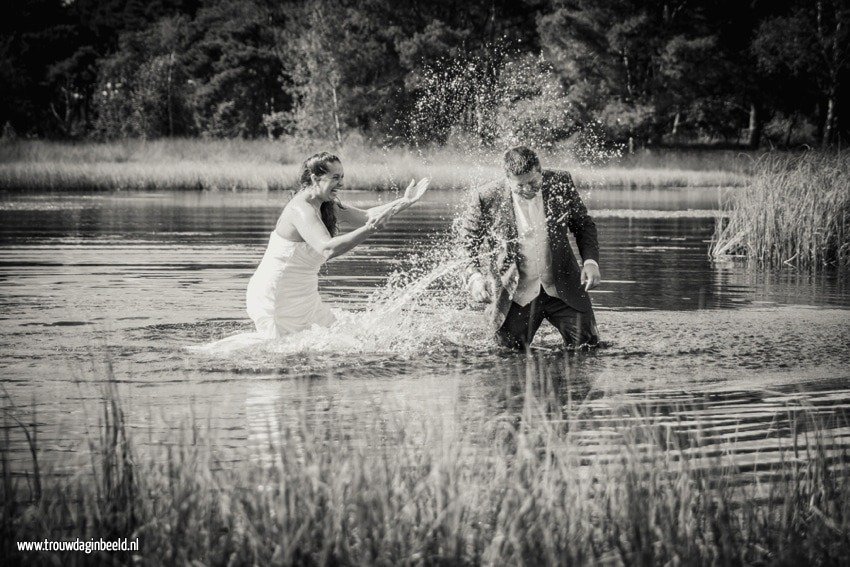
<point x="285" y="223"/>
<point x="297" y="206"/>
<point x="297" y="210"/>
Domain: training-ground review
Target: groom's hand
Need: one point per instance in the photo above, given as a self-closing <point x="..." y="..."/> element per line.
<point x="479" y="288"/>
<point x="590" y="276"/>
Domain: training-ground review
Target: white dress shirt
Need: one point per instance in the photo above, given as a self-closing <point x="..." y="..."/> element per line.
<point x="535" y="261"/>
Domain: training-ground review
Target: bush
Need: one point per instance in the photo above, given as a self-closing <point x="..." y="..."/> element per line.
<point x="787" y="131"/>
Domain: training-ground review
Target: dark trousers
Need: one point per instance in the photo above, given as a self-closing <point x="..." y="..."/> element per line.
<point x="577" y="328"/>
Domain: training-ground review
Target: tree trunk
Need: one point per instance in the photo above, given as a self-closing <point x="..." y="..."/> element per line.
<point x="791" y="124"/>
<point x="821" y="120"/>
<point x="336" y="116"/>
<point x="754" y="133"/>
<point x="829" y="122"/>
<point x="625" y="57"/>
<point x="832" y="52"/>
<point x="676" y="121"/>
<point x="169" y="99"/>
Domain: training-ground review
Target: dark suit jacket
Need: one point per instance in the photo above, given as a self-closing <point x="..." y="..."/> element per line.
<point x="488" y="232"/>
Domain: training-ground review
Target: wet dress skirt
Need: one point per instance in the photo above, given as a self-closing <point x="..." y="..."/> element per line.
<point x="283" y="294"/>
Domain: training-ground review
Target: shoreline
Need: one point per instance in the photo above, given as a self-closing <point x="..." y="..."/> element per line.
<point x="241" y="176"/>
<point x="242" y="165"/>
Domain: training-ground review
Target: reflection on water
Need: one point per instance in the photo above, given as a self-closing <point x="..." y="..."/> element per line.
<point x="136" y="278"/>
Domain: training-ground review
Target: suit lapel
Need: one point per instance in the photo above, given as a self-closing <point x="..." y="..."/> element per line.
<point x="547" y="203"/>
<point x="507" y="218"/>
<point x="504" y="228"/>
<point x="550" y="207"/>
<point x="556" y="221"/>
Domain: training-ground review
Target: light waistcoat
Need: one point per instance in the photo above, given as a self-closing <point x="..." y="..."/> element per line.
<point x="535" y="256"/>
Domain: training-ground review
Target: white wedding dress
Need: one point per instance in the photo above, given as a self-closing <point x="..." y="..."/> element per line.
<point x="283" y="294"/>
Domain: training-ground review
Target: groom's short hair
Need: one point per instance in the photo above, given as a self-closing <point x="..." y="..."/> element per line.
<point x="519" y="160"/>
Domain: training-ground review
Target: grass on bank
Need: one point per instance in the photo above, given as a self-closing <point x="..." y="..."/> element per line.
<point x="527" y="489"/>
<point x="270" y="165"/>
<point x="794" y="211"/>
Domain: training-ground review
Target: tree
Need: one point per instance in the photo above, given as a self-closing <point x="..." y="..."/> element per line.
<point x="342" y="68"/>
<point x="603" y="51"/>
<point x="315" y="64"/>
<point x="420" y="72"/>
<point x="34" y="36"/>
<point x="453" y="55"/>
<point x="92" y="37"/>
<point x="696" y="98"/>
<point x="810" y="44"/>
<point x="143" y="85"/>
<point x="652" y="70"/>
<point x="235" y="64"/>
<point x="533" y="108"/>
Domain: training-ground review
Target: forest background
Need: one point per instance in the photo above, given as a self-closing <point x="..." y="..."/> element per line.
<point x="726" y="73"/>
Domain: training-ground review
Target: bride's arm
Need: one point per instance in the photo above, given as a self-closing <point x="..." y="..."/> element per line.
<point x="383" y="213"/>
<point x="352" y="215"/>
<point x="311" y="228"/>
<point x="390" y="209"/>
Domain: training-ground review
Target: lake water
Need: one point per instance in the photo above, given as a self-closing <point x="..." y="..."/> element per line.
<point x="136" y="279"/>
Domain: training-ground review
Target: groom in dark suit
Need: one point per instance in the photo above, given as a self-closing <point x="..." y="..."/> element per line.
<point x="515" y="231"/>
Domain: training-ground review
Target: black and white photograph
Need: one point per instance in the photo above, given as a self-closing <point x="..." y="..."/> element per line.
<point x="433" y="282"/>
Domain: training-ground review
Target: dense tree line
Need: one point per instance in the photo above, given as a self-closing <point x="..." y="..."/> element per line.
<point x="646" y="71"/>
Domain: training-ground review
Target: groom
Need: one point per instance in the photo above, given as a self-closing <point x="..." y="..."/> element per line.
<point x="514" y="231"/>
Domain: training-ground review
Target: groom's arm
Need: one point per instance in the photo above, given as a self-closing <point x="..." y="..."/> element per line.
<point x="472" y="230"/>
<point x="580" y="223"/>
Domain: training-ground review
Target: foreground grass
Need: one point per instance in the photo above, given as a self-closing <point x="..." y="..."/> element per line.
<point x="272" y="165"/>
<point x="794" y="211"/>
<point x="525" y="490"/>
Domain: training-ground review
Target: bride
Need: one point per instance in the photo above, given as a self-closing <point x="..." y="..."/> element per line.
<point x="283" y="294"/>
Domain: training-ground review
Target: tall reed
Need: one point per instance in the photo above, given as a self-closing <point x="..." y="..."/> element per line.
<point x="536" y="488"/>
<point x="794" y="211"/>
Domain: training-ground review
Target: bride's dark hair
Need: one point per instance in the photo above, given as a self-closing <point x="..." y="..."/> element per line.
<point x="317" y="164"/>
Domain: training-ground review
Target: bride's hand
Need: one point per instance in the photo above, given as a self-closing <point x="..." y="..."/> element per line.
<point x="415" y="191"/>
<point x="379" y="220"/>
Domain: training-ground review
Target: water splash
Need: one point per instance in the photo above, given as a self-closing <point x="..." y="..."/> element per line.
<point x="422" y="309"/>
<point x="499" y="98"/>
